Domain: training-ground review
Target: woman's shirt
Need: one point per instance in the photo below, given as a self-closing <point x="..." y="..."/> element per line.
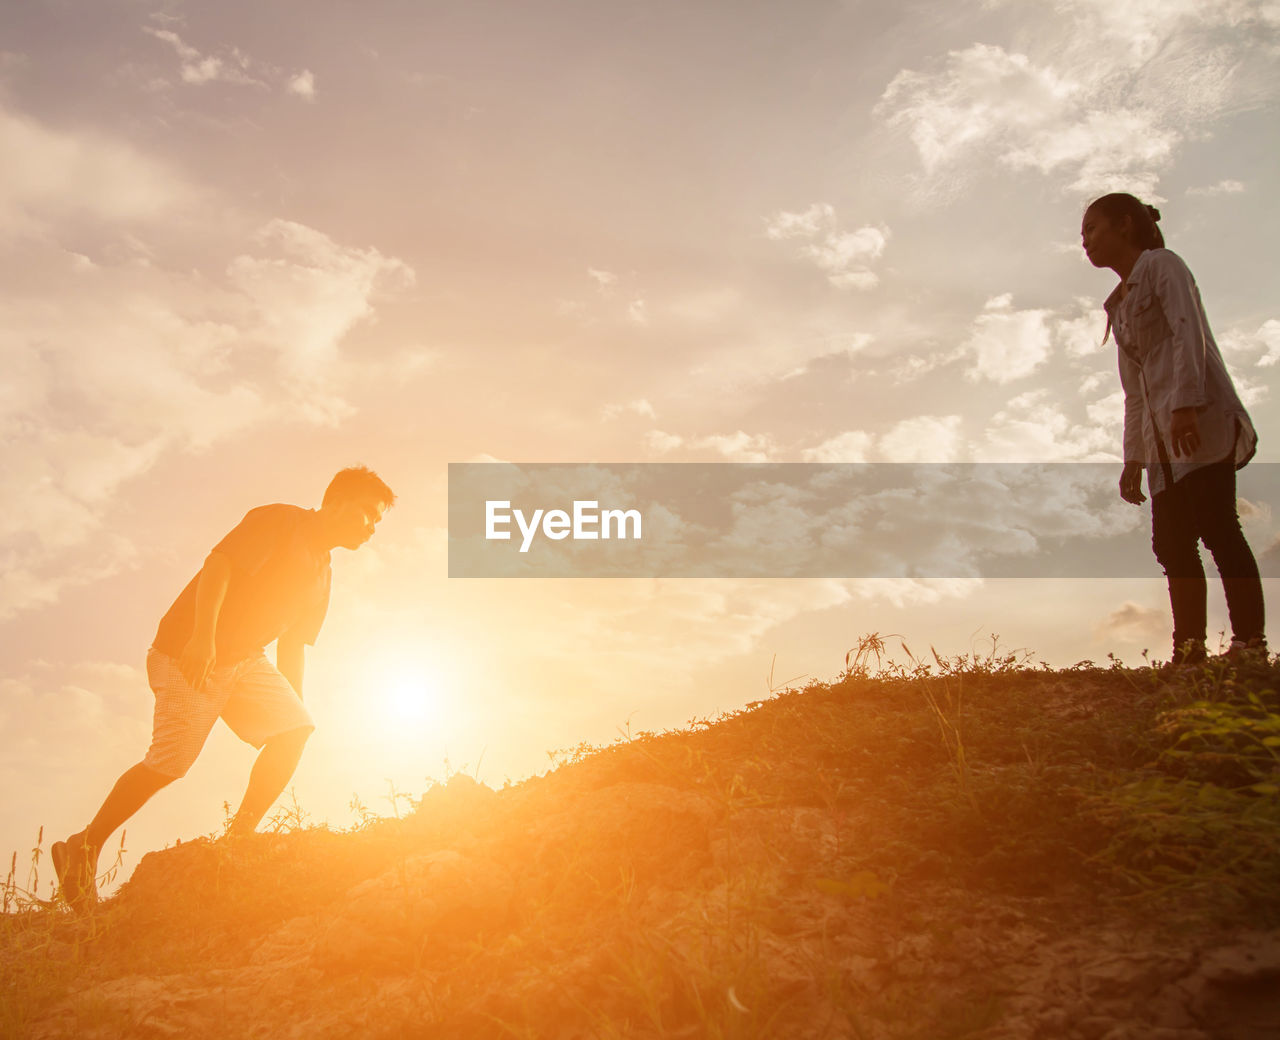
<point x="1169" y="360"/>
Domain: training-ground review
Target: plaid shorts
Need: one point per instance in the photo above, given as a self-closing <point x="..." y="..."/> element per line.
<point x="252" y="697"/>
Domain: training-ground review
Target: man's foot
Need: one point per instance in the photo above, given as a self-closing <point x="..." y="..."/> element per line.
<point x="76" y="864"/>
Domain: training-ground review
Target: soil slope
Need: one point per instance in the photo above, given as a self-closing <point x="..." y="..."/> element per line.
<point x="973" y="848"/>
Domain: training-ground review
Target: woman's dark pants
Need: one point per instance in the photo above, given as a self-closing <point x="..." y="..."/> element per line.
<point x="1202" y="507"/>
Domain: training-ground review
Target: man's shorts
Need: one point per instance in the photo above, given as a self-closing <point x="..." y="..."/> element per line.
<point x="252" y="697"/>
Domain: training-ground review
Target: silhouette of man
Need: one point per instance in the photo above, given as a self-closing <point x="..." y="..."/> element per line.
<point x="268" y="579"/>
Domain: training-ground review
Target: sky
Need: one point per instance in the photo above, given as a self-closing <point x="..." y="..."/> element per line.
<point x="245" y="245"/>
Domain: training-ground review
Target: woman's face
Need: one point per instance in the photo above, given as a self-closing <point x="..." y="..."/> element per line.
<point x="1104" y="243"/>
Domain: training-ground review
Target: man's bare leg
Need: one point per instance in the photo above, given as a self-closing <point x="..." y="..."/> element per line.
<point x="76" y="859"/>
<point x="276" y="763"/>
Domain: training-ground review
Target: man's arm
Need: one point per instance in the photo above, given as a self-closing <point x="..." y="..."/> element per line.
<point x="197" y="658"/>
<point x="289" y="659"/>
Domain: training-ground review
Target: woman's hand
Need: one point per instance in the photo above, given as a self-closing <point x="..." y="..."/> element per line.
<point x="1184" y="431"/>
<point x="1131" y="483"/>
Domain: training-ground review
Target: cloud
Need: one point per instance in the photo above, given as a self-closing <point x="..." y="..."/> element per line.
<point x="639" y="406"/>
<point x="1006" y="344"/>
<point x="1080" y="335"/>
<point x="809" y="223"/>
<point x="739" y="446"/>
<point x="845" y="256"/>
<point x="925" y="438"/>
<point x="913" y="592"/>
<point x="1225" y="187"/>
<point x="1133" y="623"/>
<point x="1108" y="412"/>
<point x="736" y="447"/>
<point x="303" y="85"/>
<point x="50" y="176"/>
<point x="305" y="294"/>
<point x="1250" y="391"/>
<point x="850" y="446"/>
<point x="1145" y="27"/>
<point x="1031" y="427"/>
<point x="81" y="711"/>
<point x="1258" y="349"/>
<point x="1254" y="514"/>
<point x="1100" y="150"/>
<point x="1095" y="380"/>
<point x="913" y="366"/>
<point x="132" y="362"/>
<point x="612" y="303"/>
<point x="234" y="66"/>
<point x="31" y="580"/>
<point x="982" y="92"/>
<point x="754" y="356"/>
<point x="1266" y="339"/>
<point x="662" y="442"/>
<point x="924" y="519"/>
<point x="1104" y="106"/>
<point x="197" y="69"/>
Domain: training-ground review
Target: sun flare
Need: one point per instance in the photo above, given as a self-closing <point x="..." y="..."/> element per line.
<point x="407" y="698"/>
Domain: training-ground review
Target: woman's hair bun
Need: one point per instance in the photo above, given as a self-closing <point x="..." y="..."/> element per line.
<point x="1155" y="213"/>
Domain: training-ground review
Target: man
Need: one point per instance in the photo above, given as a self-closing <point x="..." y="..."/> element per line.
<point x="268" y="579"/>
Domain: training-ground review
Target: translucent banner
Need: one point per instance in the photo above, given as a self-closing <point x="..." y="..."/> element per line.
<point x="800" y="520"/>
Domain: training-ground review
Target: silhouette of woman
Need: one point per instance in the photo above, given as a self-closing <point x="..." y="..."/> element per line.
<point x="1183" y="423"/>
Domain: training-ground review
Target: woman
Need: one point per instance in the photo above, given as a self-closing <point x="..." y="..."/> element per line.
<point x="1183" y="422"/>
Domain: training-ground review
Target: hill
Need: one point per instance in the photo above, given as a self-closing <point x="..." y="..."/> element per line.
<point x="972" y="847"/>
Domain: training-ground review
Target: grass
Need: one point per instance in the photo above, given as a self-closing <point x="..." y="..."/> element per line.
<point x="842" y="859"/>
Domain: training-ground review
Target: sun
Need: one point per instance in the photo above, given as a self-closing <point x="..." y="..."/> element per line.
<point x="408" y="693"/>
<point x="408" y="699"/>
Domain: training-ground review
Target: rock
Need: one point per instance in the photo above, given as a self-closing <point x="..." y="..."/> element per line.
<point x="1236" y="992"/>
<point x="154" y="1008"/>
<point x="416" y="909"/>
<point x="1131" y="977"/>
<point x="1257" y="957"/>
<point x="1145" y="1032"/>
<point x="290" y="941"/>
<point x="1098" y="1027"/>
<point x="647" y="830"/>
<point x="1169" y="1008"/>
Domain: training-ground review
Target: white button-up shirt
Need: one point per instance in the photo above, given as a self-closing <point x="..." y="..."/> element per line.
<point x="1169" y="360"/>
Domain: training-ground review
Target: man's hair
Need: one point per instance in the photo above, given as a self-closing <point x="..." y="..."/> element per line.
<point x="357" y="482"/>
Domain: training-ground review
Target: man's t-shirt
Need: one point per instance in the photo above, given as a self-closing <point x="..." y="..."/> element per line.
<point x="279" y="583"/>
